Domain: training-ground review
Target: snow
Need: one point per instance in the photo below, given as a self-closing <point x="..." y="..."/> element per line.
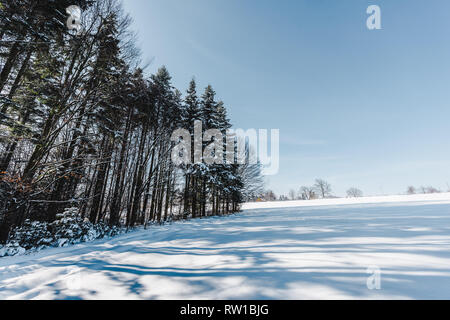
<point x="290" y="250"/>
<point x="344" y="201"/>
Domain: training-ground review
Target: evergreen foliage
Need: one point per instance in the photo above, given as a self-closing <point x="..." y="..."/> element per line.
<point x="82" y="127"/>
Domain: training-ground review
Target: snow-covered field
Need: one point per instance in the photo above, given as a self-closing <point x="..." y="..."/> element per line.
<point x="290" y="250"/>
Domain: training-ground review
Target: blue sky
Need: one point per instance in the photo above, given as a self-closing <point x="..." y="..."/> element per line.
<point x="360" y="108"/>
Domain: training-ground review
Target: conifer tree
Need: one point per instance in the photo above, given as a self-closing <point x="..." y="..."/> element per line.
<point x="82" y="127"/>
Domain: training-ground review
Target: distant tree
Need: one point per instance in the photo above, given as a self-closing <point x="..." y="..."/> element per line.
<point x="308" y="193"/>
<point x="354" y="193"/>
<point x="432" y="190"/>
<point x="292" y="195"/>
<point x="323" y="188"/>
<point x="269" y="195"/>
<point x="411" y="190"/>
<point x="428" y="190"/>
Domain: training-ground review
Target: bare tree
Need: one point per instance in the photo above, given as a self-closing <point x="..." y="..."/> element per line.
<point x="411" y="190"/>
<point x="428" y="190"/>
<point x="354" y="193"/>
<point x="251" y="177"/>
<point x="308" y="193"/>
<point x="432" y="190"/>
<point x="292" y="194"/>
<point x="270" y="196"/>
<point x="323" y="188"/>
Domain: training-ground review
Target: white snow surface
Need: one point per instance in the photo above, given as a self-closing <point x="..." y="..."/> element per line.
<point x="289" y="250"/>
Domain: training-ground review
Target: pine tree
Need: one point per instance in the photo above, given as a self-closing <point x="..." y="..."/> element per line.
<point x="209" y="109"/>
<point x="83" y="127"/>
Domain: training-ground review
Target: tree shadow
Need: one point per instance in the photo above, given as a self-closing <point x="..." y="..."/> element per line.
<point x="289" y="253"/>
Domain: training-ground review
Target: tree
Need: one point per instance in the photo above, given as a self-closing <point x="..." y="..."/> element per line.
<point x="251" y="175"/>
<point x="354" y="193"/>
<point x="209" y="109"/>
<point x="411" y="190"/>
<point x="308" y="193"/>
<point x="83" y="126"/>
<point x="269" y="195"/>
<point x="292" y="194"/>
<point x="323" y="188"/>
<point x="431" y="189"/>
<point x="428" y="190"/>
<point x="192" y="105"/>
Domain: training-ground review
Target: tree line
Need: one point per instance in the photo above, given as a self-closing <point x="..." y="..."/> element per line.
<point x="81" y="125"/>
<point x="320" y="190"/>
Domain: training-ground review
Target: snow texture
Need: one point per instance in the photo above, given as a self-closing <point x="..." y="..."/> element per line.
<point x="290" y="250"/>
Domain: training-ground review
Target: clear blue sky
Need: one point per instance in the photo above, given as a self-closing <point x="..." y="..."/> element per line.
<point x="369" y="109"/>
